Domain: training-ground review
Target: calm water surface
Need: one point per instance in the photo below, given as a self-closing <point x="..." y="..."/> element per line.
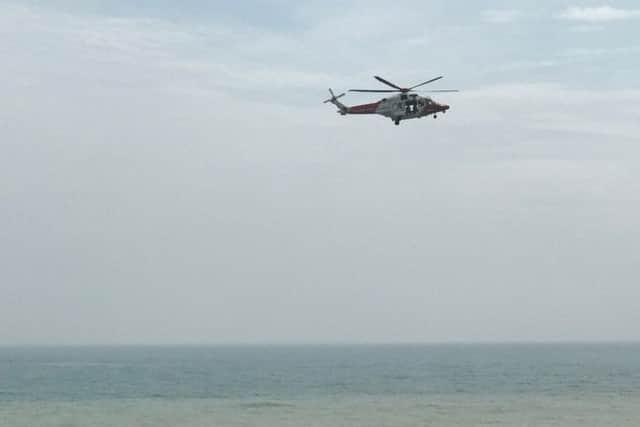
<point x="548" y="384"/>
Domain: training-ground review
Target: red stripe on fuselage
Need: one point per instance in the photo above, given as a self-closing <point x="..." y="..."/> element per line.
<point x="364" y="108"/>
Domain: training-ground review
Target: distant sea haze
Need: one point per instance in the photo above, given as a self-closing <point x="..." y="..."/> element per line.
<point x="394" y="385"/>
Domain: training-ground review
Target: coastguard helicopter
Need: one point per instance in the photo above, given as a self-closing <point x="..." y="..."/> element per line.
<point x="399" y="107"/>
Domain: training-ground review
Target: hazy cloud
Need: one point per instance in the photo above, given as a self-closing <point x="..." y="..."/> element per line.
<point x="598" y="14"/>
<point x="501" y="16"/>
<point x="171" y="181"/>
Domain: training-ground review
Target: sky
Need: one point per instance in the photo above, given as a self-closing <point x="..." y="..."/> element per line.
<point x="169" y="174"/>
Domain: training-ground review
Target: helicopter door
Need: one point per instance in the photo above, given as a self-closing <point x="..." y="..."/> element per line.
<point x="411" y="106"/>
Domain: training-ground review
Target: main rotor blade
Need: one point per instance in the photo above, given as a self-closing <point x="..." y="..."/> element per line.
<point x="380" y="79"/>
<point x="424" y="83"/>
<point x="438" y="91"/>
<point x="374" y="90"/>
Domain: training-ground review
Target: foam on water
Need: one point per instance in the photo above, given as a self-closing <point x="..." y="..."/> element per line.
<point x="356" y="412"/>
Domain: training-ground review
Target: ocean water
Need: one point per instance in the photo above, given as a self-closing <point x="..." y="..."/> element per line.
<point x="405" y="385"/>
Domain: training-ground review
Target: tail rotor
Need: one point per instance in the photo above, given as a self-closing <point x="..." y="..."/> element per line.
<point x="342" y="109"/>
<point x="334" y="98"/>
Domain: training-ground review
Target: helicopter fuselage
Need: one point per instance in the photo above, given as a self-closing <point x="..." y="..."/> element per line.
<point x="403" y="106"/>
<point x="399" y="107"/>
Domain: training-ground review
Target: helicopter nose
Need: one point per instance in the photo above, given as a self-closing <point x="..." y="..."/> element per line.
<point x="445" y="107"/>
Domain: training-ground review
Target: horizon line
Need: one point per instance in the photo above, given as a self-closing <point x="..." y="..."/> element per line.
<point x="324" y="344"/>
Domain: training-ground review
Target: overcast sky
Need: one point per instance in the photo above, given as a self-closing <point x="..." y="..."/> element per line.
<point x="168" y="173"/>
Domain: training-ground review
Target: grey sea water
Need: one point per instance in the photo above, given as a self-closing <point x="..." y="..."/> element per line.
<point x="405" y="385"/>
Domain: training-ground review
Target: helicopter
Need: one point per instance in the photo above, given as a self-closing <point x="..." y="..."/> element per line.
<point x="404" y="106"/>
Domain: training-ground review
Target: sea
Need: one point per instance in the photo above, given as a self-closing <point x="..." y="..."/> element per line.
<point x="322" y="385"/>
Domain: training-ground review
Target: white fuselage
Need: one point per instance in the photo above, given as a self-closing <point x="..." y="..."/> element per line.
<point x="399" y="107"/>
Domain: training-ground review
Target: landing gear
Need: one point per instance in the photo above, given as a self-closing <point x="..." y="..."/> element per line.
<point x="397" y="122"/>
<point x="435" y="116"/>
